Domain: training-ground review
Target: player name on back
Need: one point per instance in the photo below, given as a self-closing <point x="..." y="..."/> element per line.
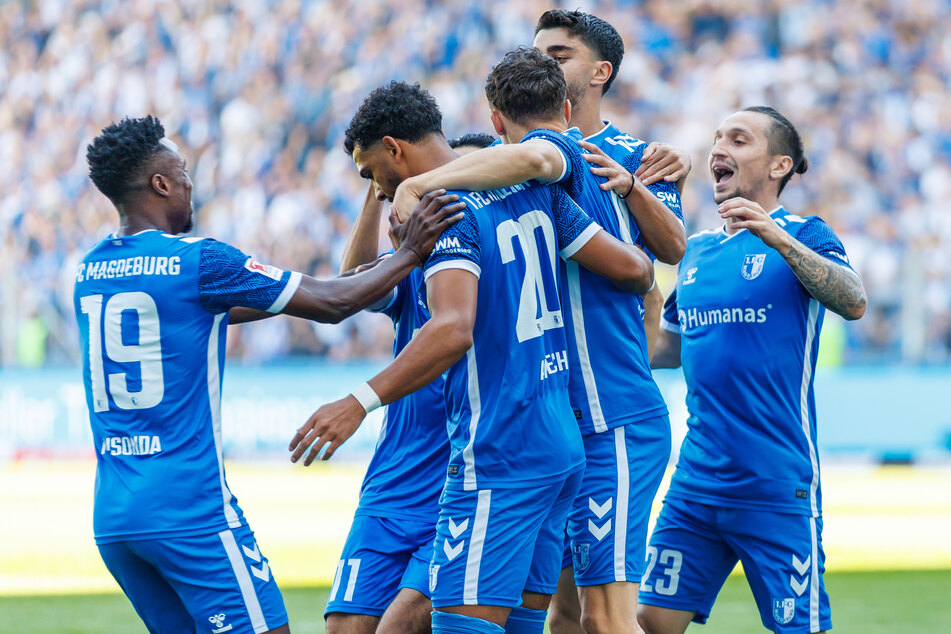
<point x="131" y="445"/>
<point x="477" y="200"/>
<point x="126" y="267"/>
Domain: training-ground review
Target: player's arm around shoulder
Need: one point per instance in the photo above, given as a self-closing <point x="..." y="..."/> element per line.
<point x="333" y="300"/>
<point x="836" y="286"/>
<point x="493" y="167"/>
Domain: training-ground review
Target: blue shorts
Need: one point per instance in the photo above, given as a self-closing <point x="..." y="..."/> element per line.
<point x="213" y="583"/>
<point x="607" y="526"/>
<point x="381" y="557"/>
<point x="492" y="544"/>
<point x="695" y="546"/>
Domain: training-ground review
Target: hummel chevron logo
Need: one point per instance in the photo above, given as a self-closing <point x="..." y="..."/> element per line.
<point x="264" y="572"/>
<point x="798" y="586"/>
<point x="253" y="555"/>
<point x="599" y="533"/>
<point x="801" y="566"/>
<point x="457" y="530"/>
<point x="599" y="511"/>
<point x="452" y="551"/>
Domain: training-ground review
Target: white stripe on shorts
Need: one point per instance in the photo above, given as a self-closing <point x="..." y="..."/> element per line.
<point x="620" y="512"/>
<point x="244" y="582"/>
<point x="814" y="581"/>
<point x="470" y="593"/>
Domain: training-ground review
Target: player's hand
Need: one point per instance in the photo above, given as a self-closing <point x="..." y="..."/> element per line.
<point x="435" y="212"/>
<point x="616" y="177"/>
<point x="406" y="199"/>
<point x="663" y="162"/>
<point x="749" y="215"/>
<point x="329" y="426"/>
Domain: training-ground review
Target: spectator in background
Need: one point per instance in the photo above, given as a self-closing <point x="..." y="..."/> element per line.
<point x="268" y="88"/>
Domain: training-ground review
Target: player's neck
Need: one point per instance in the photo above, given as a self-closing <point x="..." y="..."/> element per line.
<point x="587" y="117"/>
<point x="130" y="224"/>
<point x="432" y="154"/>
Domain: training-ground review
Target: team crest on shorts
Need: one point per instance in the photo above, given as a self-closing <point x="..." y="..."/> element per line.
<point x="753" y="265"/>
<point x="580" y="556"/>
<point x="433" y="573"/>
<point x="784" y="610"/>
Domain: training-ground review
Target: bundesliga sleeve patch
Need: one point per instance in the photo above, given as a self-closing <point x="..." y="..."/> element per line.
<point x="264" y="269"/>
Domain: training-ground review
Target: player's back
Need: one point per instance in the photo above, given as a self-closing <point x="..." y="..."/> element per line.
<point x="610" y="380"/>
<point x="510" y="421"/>
<point x="153" y="357"/>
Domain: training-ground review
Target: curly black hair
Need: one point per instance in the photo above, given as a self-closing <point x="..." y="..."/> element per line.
<point x="473" y="139"/>
<point x="784" y="140"/>
<point x="116" y="157"/>
<point x="397" y="109"/>
<point x="598" y="35"/>
<point x="526" y="85"/>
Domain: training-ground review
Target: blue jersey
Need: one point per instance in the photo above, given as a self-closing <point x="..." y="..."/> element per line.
<point x="610" y="382"/>
<point x="510" y="423"/>
<point x="749" y="338"/>
<point x="408" y="469"/>
<point x="152" y="311"/>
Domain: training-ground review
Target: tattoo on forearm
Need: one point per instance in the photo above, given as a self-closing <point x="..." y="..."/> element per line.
<point x="834" y="286"/>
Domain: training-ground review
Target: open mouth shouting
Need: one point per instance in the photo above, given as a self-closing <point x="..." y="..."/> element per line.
<point x="722" y="175"/>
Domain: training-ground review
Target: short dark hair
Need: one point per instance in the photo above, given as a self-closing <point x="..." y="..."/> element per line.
<point x="784" y="139"/>
<point x="118" y="155"/>
<point x="526" y="85"/>
<point x="397" y="109"/>
<point x="598" y="35"/>
<point x="473" y="139"/>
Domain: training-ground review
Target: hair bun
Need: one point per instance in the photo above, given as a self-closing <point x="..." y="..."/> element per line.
<point x="803" y="165"/>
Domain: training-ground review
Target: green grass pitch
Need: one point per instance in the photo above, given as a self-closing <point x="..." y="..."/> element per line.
<point x="863" y="602"/>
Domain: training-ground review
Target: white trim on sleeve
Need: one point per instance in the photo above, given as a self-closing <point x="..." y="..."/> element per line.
<point x="569" y="251"/>
<point x="669" y="327"/>
<point x="465" y="265"/>
<point x="286" y="294"/>
<point x="561" y="153"/>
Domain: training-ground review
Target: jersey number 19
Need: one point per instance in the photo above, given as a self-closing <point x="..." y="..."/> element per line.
<point x="147" y="352"/>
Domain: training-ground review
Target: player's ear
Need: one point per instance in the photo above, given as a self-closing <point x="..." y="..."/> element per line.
<point x="601" y="73"/>
<point x="392" y="147"/>
<point x="159" y="184"/>
<point x="497" y="122"/>
<point x="567" y="110"/>
<point x="779" y="167"/>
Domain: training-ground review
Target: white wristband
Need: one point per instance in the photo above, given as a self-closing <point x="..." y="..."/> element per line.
<point x="366" y="397"/>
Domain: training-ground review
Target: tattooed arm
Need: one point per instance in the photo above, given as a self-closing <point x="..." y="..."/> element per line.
<point x="836" y="287"/>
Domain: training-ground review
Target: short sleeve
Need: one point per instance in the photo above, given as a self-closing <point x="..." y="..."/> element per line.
<point x="576" y="168"/>
<point x="458" y="247"/>
<point x="665" y="191"/>
<point x="228" y="278"/>
<point x="820" y="237"/>
<point x="572" y="224"/>
<point x="670" y="320"/>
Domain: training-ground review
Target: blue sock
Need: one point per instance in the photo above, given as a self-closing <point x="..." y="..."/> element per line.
<point x="452" y="623"/>
<point x="525" y="621"/>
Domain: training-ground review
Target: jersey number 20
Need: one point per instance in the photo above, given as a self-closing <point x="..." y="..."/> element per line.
<point x="530" y="323"/>
<point x="147" y="352"/>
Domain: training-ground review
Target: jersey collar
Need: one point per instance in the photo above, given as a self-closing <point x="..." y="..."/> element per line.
<point x="602" y="132"/>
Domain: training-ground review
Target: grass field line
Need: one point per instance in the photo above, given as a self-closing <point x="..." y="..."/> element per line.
<point x="876" y="518"/>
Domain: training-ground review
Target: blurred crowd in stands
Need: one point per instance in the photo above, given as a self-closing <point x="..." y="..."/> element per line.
<point x="258" y="94"/>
